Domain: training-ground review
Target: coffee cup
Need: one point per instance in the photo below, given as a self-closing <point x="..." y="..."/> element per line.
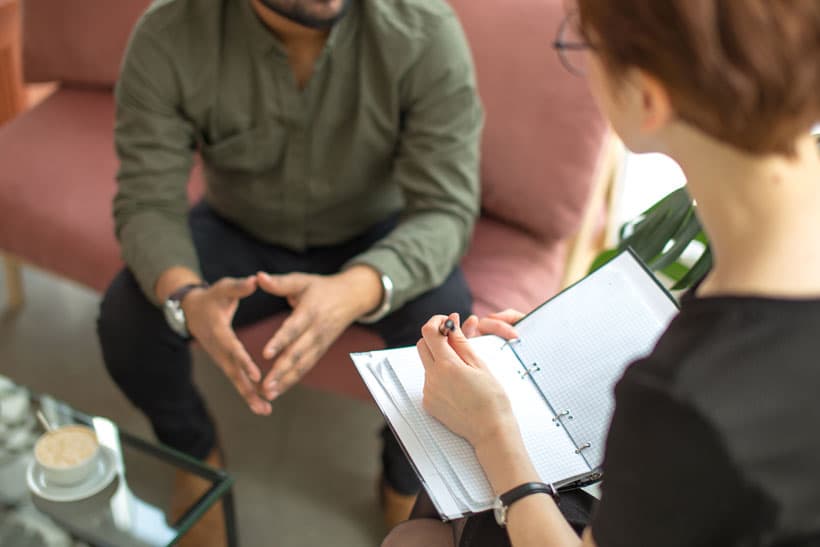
<point x="67" y="454"/>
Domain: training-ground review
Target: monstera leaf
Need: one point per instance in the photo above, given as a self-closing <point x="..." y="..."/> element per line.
<point x="661" y="234"/>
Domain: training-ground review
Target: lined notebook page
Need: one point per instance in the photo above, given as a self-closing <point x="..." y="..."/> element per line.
<point x="549" y="447"/>
<point x="584" y="338"/>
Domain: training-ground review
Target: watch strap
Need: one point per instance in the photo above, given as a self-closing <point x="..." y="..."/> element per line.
<point x="181" y="292"/>
<point x="385" y="305"/>
<point x="527" y="489"/>
<point x="504" y="501"/>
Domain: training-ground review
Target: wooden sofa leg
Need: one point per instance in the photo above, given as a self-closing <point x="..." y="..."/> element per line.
<point x="14" y="283"/>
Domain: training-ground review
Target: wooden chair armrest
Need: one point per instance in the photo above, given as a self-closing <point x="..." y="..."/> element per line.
<point x="605" y="197"/>
<point x="12" y="98"/>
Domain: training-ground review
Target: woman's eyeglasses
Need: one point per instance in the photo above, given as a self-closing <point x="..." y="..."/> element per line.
<point x="572" y="48"/>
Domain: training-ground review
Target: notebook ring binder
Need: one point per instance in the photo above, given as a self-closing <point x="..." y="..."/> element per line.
<point x="559" y="418"/>
<point x="528" y="371"/>
<point x="510" y="342"/>
<point x="583" y="447"/>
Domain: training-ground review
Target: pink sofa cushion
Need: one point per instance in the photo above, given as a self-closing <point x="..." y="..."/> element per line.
<point x="57" y="184"/>
<point x="537" y="158"/>
<point x="506" y="268"/>
<point x="77" y="41"/>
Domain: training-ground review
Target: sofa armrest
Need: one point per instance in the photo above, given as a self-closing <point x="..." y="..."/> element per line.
<point x="12" y="98"/>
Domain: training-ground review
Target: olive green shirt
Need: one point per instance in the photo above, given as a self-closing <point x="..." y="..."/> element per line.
<point x="389" y="123"/>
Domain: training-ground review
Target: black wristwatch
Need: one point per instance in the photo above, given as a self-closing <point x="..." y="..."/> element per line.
<point x="504" y="501"/>
<point x="173" y="308"/>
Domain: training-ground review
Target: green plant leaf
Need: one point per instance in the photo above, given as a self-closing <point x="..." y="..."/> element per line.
<point x="658" y="225"/>
<point x="701" y="268"/>
<point x="675" y="271"/>
<point x="672" y="219"/>
<point x="602" y="259"/>
<point x="689" y="229"/>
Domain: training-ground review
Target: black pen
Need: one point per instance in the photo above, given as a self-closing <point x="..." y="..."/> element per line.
<point x="447" y="327"/>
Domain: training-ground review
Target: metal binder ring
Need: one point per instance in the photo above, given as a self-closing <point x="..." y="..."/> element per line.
<point x="510" y="342"/>
<point x="582" y="448"/>
<point x="561" y="415"/>
<point x="529" y="371"/>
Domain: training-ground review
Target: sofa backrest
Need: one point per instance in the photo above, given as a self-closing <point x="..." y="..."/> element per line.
<point x="544" y="135"/>
<point x="77" y="41"/>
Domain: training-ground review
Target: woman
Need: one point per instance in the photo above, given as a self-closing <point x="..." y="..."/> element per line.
<point x="715" y="438"/>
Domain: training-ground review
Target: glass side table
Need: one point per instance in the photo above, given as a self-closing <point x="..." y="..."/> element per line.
<point x="126" y="505"/>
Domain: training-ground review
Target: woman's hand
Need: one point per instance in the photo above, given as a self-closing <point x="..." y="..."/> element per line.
<point x="499" y="323"/>
<point x="459" y="389"/>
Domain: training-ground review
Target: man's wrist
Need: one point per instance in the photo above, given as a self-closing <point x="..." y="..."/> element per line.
<point x="190" y="296"/>
<point x="172" y="280"/>
<point x="367" y="293"/>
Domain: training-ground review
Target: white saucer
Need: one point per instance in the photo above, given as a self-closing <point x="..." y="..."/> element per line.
<point x="100" y="477"/>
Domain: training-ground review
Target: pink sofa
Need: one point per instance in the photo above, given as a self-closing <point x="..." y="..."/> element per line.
<point x="542" y="155"/>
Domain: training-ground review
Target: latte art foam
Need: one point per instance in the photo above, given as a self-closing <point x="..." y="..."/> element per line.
<point x="66" y="447"/>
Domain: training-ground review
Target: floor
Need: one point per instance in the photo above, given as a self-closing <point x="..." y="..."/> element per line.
<point x="315" y="460"/>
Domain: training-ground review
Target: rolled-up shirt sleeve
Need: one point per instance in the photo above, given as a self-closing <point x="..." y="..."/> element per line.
<point x="436" y="167"/>
<point x="155" y="145"/>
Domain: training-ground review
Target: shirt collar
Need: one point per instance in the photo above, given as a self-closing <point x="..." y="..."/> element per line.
<point x="264" y="40"/>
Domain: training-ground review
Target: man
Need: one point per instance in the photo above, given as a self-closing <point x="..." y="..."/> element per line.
<point x="339" y="140"/>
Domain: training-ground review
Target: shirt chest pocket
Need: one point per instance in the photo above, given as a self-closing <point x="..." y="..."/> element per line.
<point x="253" y="151"/>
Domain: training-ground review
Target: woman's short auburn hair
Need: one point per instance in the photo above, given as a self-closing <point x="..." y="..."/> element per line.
<point x="746" y="72"/>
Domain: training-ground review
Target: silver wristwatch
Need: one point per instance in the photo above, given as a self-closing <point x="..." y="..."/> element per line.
<point x="386" y="305"/>
<point x="172" y="307"/>
<point x="502" y="503"/>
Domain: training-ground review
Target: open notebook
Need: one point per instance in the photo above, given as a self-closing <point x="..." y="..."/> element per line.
<point x="559" y="376"/>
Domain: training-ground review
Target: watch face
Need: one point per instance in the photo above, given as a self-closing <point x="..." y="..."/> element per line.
<point x="175" y="317"/>
<point x="500" y="512"/>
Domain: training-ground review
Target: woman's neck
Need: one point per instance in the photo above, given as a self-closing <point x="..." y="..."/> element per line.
<point x="761" y="213"/>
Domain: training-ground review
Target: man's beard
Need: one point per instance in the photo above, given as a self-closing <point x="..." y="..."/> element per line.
<point x="295" y="10"/>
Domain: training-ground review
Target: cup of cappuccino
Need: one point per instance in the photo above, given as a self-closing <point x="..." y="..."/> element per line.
<point x="67" y="454"/>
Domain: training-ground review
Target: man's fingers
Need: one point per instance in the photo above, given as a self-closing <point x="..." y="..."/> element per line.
<point x="296" y="372"/>
<point x="293" y="364"/>
<point x="239" y="356"/>
<point x="228" y="345"/>
<point x="283" y="285"/>
<point x="240" y="380"/>
<point x="236" y="287"/>
<point x="289" y="331"/>
<point x="246" y="389"/>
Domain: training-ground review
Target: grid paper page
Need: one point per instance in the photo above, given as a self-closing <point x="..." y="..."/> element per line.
<point x="443" y="466"/>
<point x="584" y="338"/>
<point x="445" y="502"/>
<point x="550" y="448"/>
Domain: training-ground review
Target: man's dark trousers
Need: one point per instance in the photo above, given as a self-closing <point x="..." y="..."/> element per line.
<point x="152" y="365"/>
